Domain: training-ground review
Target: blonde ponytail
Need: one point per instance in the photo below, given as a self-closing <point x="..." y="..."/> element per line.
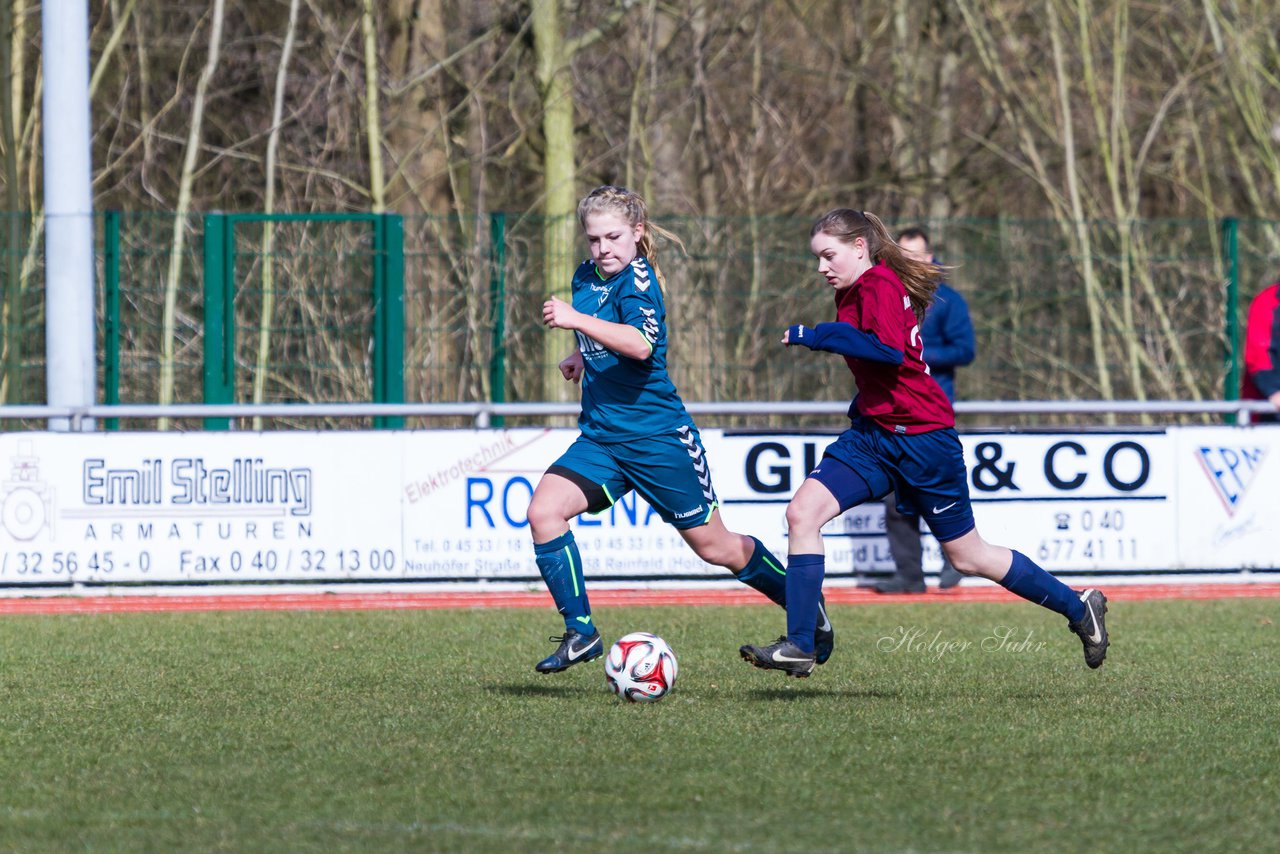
<point x="629" y="205"/>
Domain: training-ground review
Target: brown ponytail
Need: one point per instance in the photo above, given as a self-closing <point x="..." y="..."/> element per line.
<point x="921" y="278"/>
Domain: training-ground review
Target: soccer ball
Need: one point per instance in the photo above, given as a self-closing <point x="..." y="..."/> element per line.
<point x="640" y="668"/>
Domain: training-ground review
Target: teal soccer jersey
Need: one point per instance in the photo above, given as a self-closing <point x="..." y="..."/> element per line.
<point x="623" y="398"/>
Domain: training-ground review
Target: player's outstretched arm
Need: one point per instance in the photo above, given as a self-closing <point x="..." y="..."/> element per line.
<point x="843" y="339"/>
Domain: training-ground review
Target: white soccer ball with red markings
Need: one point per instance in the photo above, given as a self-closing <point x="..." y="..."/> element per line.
<point x="640" y="668"/>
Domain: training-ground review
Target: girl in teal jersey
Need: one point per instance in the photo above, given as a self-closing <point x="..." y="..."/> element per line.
<point x="636" y="433"/>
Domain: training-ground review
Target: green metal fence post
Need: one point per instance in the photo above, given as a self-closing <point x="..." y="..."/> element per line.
<point x="388" y="322"/>
<point x="111" y="322"/>
<point x="498" y="311"/>
<point x="229" y="313"/>
<point x="1231" y="261"/>
<point x="217" y="330"/>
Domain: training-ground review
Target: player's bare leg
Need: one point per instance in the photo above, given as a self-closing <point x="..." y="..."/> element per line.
<point x="1086" y="618"/>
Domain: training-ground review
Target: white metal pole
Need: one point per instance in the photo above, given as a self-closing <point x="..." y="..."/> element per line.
<point x="71" y="378"/>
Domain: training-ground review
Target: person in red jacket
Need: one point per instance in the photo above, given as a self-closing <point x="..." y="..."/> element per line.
<point x="1262" y="349"/>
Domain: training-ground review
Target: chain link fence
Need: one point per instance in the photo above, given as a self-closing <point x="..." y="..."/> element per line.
<point x="1152" y="309"/>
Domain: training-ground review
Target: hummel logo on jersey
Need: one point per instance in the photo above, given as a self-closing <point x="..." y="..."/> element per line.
<point x="603" y="290"/>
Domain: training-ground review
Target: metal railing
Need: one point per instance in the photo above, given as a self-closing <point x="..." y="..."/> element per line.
<point x="483" y="413"/>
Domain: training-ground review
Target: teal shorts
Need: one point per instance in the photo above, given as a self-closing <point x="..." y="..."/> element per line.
<point x="668" y="470"/>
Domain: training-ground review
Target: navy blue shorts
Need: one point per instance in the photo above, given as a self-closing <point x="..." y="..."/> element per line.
<point x="668" y="470"/>
<point x="926" y="470"/>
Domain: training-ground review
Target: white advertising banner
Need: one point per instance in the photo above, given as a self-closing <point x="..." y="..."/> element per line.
<point x="1072" y="502"/>
<point x="198" y="507"/>
<point x="1228" y="514"/>
<point x="162" y="508"/>
<point x="755" y="476"/>
<point x="466" y="500"/>
<point x="1089" y="501"/>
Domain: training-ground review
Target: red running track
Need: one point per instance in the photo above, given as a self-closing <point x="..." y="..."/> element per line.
<point x="378" y="601"/>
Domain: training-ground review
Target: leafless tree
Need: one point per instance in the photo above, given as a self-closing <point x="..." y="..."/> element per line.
<point x="1044" y="139"/>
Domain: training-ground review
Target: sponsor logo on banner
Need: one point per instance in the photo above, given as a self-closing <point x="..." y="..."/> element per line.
<point x="1231" y="470"/>
<point x="1039" y="468"/>
<point x="26" y="501"/>
<point x="149" y="487"/>
<point x="157" y="508"/>
<point x="1074" y="502"/>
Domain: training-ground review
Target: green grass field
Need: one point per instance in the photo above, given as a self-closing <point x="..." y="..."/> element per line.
<point x="429" y="730"/>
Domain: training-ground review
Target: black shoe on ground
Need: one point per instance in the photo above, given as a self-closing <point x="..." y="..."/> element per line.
<point x="898" y="584"/>
<point x="574" y="648"/>
<point x="949" y="577"/>
<point x="782" y="655"/>
<point x="1092" y="627"/>
<point x="824" y="637"/>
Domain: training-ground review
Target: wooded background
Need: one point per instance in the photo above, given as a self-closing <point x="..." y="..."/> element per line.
<point x="1074" y="158"/>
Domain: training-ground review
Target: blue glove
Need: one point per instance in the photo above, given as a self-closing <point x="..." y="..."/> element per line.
<point x="800" y="334"/>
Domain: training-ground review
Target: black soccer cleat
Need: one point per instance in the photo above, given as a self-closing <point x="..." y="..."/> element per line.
<point x="1092" y="627"/>
<point x="782" y="655"/>
<point x="824" y="637"/>
<point x="574" y="648"/>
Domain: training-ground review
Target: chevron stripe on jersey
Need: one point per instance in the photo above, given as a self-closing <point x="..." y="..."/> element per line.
<point x="641" y="269"/>
<point x="651" y="329"/>
<point x="699" y="458"/>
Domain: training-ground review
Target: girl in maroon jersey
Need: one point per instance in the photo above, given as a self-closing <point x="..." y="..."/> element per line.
<point x="902" y="438"/>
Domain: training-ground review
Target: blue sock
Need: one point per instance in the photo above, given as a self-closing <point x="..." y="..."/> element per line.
<point x="561" y="567"/>
<point x="765" y="573"/>
<point x="804" y="587"/>
<point x="1032" y="583"/>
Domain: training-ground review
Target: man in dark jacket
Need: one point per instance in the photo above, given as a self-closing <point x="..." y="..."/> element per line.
<point x="947" y="333"/>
